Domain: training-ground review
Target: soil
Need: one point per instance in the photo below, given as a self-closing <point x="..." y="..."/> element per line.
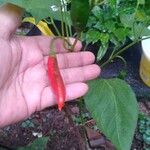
<point x="49" y="122"/>
<point x="63" y="133"/>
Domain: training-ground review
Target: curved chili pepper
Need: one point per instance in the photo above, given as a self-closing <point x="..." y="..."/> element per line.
<point x="56" y="81"/>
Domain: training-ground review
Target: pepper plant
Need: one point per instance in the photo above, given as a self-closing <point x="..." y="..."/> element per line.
<point x="116" y="23"/>
<point x="111" y="102"/>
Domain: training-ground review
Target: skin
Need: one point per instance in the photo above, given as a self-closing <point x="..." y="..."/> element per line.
<point x="24" y="84"/>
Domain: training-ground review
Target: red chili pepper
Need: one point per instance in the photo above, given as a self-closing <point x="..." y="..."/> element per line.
<point x="56" y="81"/>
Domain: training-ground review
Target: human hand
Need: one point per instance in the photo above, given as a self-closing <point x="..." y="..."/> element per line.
<point x="24" y="84"/>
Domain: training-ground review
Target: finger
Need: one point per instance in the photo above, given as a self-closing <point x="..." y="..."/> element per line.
<point x="44" y="43"/>
<point x="69" y="60"/>
<point x="10" y="19"/>
<point x="80" y="74"/>
<point x="73" y="91"/>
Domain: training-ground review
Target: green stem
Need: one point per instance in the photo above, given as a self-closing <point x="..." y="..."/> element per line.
<point x="56" y="29"/>
<point x="66" y="26"/>
<point x="85" y="47"/>
<point x="122" y="50"/>
<point x="75" y="42"/>
<point x="62" y="22"/>
<point x="70" y="31"/>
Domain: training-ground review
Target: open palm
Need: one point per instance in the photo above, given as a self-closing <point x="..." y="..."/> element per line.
<point x="24" y="85"/>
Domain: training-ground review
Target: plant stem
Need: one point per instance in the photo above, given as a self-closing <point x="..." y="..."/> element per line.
<point x="56" y="29"/>
<point x="66" y="26"/>
<point x="66" y="29"/>
<point x="123" y="49"/>
<point x="75" y="42"/>
<point x="62" y="21"/>
<point x="70" y="31"/>
<point x="85" y="47"/>
<point x="113" y="56"/>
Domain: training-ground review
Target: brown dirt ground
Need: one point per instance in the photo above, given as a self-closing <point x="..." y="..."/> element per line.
<point x="64" y="135"/>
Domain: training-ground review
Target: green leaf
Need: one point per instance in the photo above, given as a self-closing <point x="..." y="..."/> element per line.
<point x="79" y="13"/>
<point x="122" y="74"/>
<point x="95" y="2"/>
<point x="140" y="30"/>
<point x="112" y="2"/>
<point x="102" y="51"/>
<point x="38" y="8"/>
<point x="142" y="2"/>
<point x="110" y="25"/>
<point x="113" y="105"/>
<point x="147" y="6"/>
<point x="127" y="19"/>
<point x="141" y="16"/>
<point x="100" y="26"/>
<point x="92" y="20"/>
<point x="104" y="38"/>
<point x="92" y="36"/>
<point x="121" y="34"/>
<point x="38" y="144"/>
<point x="114" y="40"/>
<point x="97" y="12"/>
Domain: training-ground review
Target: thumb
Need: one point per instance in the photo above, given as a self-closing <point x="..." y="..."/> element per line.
<point x="10" y="19"/>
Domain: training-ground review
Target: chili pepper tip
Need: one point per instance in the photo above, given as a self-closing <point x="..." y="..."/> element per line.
<point x="60" y="106"/>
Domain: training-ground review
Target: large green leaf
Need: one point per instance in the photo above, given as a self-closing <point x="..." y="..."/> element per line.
<point x="113" y="105"/>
